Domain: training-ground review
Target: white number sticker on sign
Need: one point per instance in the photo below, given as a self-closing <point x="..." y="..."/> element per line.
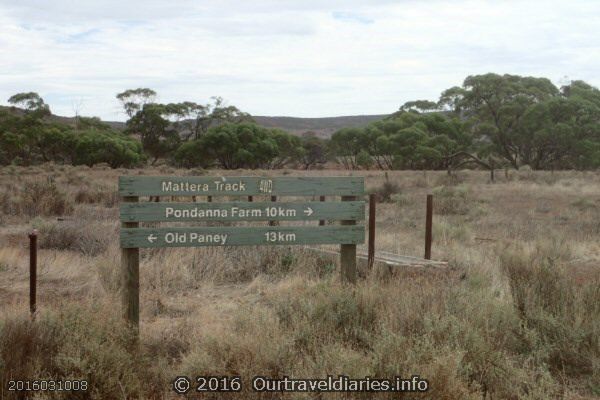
<point x="265" y="186"/>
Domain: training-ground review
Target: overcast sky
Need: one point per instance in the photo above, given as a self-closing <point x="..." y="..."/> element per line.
<point x="296" y="58"/>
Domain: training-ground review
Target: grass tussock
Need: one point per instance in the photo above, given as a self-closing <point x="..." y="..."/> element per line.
<point x="452" y="200"/>
<point x="106" y="197"/>
<point x="585" y="204"/>
<point x="35" y="198"/>
<point x="560" y="316"/>
<point x="526" y="174"/>
<point x="238" y="265"/>
<point x="316" y="328"/>
<point x="88" y="343"/>
<point x="453" y="179"/>
<point x="74" y="236"/>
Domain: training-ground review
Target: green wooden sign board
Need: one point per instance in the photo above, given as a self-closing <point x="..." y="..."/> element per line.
<point x="242" y="211"/>
<point x="241" y="236"/>
<point x="133" y="213"/>
<point x="239" y="186"/>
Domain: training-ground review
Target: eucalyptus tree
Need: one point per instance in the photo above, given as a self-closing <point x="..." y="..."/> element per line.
<point x="133" y="100"/>
<point x="495" y="105"/>
<point x="32" y="103"/>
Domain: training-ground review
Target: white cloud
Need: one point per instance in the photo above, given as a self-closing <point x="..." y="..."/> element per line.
<point x="300" y="58"/>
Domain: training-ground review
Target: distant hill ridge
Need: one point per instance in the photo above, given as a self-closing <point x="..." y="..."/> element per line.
<point x="322" y="127"/>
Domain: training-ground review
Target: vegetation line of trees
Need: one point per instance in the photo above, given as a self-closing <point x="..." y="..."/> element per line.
<point x="491" y="121"/>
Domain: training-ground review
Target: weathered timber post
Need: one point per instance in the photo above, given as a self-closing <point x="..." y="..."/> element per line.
<point x="32" y="272"/>
<point x="321" y="221"/>
<point x="130" y="268"/>
<point x="371" y="253"/>
<point x="428" y="226"/>
<point x="348" y="253"/>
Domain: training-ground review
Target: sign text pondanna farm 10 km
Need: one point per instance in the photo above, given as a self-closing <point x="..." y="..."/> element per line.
<point x="133" y="212"/>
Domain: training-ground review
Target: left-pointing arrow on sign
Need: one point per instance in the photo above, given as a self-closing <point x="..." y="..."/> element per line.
<point x="151" y="238"/>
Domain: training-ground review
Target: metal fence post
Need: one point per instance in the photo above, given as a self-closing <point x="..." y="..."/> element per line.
<point x="428" y="226"/>
<point x="33" y="272"/>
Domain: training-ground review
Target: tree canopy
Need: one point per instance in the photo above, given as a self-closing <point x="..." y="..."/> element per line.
<point x="133" y="100"/>
<point x="31" y="102"/>
<point x="490" y="121"/>
<point x="406" y="140"/>
<point x="32" y="138"/>
<point x="243" y="145"/>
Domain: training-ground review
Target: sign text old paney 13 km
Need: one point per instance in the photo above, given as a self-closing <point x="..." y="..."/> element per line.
<point x="132" y="213"/>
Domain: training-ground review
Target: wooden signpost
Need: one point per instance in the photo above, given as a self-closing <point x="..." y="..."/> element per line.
<point x="133" y="237"/>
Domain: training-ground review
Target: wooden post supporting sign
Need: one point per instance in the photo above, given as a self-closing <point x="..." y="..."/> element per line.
<point x="130" y="267"/>
<point x="371" y="249"/>
<point x="348" y="253"/>
<point x="273" y="223"/>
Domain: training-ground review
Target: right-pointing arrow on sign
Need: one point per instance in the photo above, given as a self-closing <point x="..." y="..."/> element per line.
<point x="151" y="238"/>
<point x="308" y="211"/>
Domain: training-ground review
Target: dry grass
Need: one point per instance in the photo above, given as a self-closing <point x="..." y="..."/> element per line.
<point x="75" y="235"/>
<point x="35" y="198"/>
<point x="516" y="316"/>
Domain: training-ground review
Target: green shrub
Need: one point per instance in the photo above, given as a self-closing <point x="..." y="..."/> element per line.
<point x="243" y="145"/>
<point x="191" y="154"/>
<point x="114" y="148"/>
